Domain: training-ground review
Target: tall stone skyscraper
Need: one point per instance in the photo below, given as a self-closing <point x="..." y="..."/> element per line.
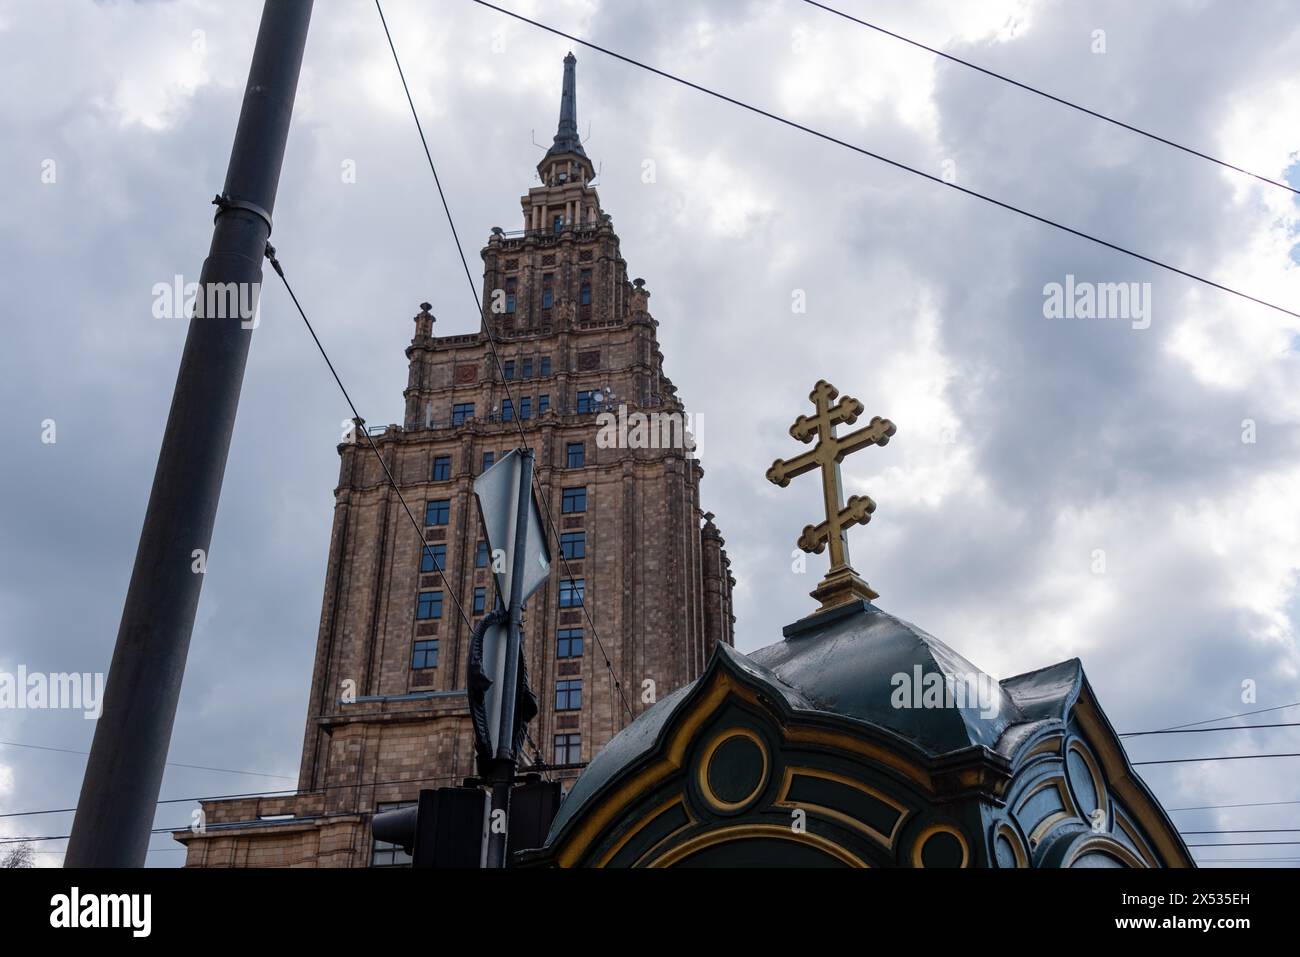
<point x="581" y="371"/>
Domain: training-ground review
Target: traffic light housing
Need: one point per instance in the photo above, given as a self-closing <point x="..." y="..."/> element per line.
<point x="447" y="827"/>
<point x="533" y="806"/>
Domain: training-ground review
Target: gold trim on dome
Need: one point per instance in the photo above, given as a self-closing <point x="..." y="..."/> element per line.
<point x="932" y="830"/>
<point x="1103" y="843"/>
<point x="1125" y="825"/>
<point x="1051" y="819"/>
<point x="844" y="742"/>
<point x="886" y="840"/>
<point x="1098" y="782"/>
<point x="603" y="810"/>
<point x="646" y="822"/>
<point x="674" y="757"/>
<point x="738" y="832"/>
<point x="1125" y="786"/>
<point x="1051" y="745"/>
<point x="702" y="772"/>
<point x="1005" y="830"/>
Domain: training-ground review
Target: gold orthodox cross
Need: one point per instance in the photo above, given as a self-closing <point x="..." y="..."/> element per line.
<point x="841" y="583"/>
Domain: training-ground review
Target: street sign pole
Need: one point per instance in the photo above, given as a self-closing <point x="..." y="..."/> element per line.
<point x="506" y="760"/>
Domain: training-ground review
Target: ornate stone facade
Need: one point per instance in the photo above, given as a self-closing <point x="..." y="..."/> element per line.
<point x="388" y="714"/>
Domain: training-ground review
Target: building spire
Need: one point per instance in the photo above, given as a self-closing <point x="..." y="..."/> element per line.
<point x="566" y="135"/>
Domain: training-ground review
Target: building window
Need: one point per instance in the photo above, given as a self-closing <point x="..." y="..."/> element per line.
<point x="429" y="605"/>
<point x="527" y="369"/>
<point x="489" y="458"/>
<point x="587" y="401"/>
<point x="546" y="365"/>
<point x="509" y="369"/>
<point x="568" y="643"/>
<point x="462" y="412"/>
<point x="575" y="455"/>
<point x="568" y="695"/>
<point x="558" y="224"/>
<point x="548" y="297"/>
<point x="480" y="600"/>
<point x="441" y="468"/>
<point x="543" y="403"/>
<point x="437" y="512"/>
<point x="424" y="654"/>
<point x="481" y="555"/>
<point x="510" y="294"/>
<point x="433" y="558"/>
<point x="574" y="500"/>
<point x="568" y="749"/>
<point x="573" y="544"/>
<point x="584" y="291"/>
<point x="507" y="411"/>
<point x="571" y="592"/>
<point x="526" y="407"/>
<point x="384" y="854"/>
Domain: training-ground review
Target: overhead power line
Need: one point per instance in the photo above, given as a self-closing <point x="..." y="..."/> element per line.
<point x="258" y="794"/>
<point x="1229" y="717"/>
<point x="1223" y="757"/>
<point x="1244" y="860"/>
<point x="492" y="345"/>
<point x="1002" y="204"/>
<point x="170" y="764"/>
<point x="1050" y="96"/>
<point x="1235" y="727"/>
<point x="1224" y="807"/>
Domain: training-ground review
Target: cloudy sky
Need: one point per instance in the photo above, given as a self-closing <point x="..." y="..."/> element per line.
<point x="1057" y="487"/>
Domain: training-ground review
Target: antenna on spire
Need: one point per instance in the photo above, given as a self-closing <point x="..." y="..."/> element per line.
<point x="566" y="156"/>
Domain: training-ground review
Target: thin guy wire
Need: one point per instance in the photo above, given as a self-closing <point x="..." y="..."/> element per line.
<point x="275" y="263"/>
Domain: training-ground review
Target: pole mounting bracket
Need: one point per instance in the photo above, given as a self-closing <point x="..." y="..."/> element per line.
<point x="223" y="202"/>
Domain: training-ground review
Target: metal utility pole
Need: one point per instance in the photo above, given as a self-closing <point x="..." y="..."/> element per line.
<point x="506" y="763"/>
<point x="120" y="790"/>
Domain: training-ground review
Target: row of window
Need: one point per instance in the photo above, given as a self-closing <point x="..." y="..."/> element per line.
<point x="575" y="455"/>
<point x="433" y="556"/>
<point x="548" y="296"/>
<point x="572" y="500"/>
<point x="525" y="407"/>
<point x="524" y="366"/>
<point x="588" y="401"/>
<point x="428" y="604"/>
<point x="568" y="645"/>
